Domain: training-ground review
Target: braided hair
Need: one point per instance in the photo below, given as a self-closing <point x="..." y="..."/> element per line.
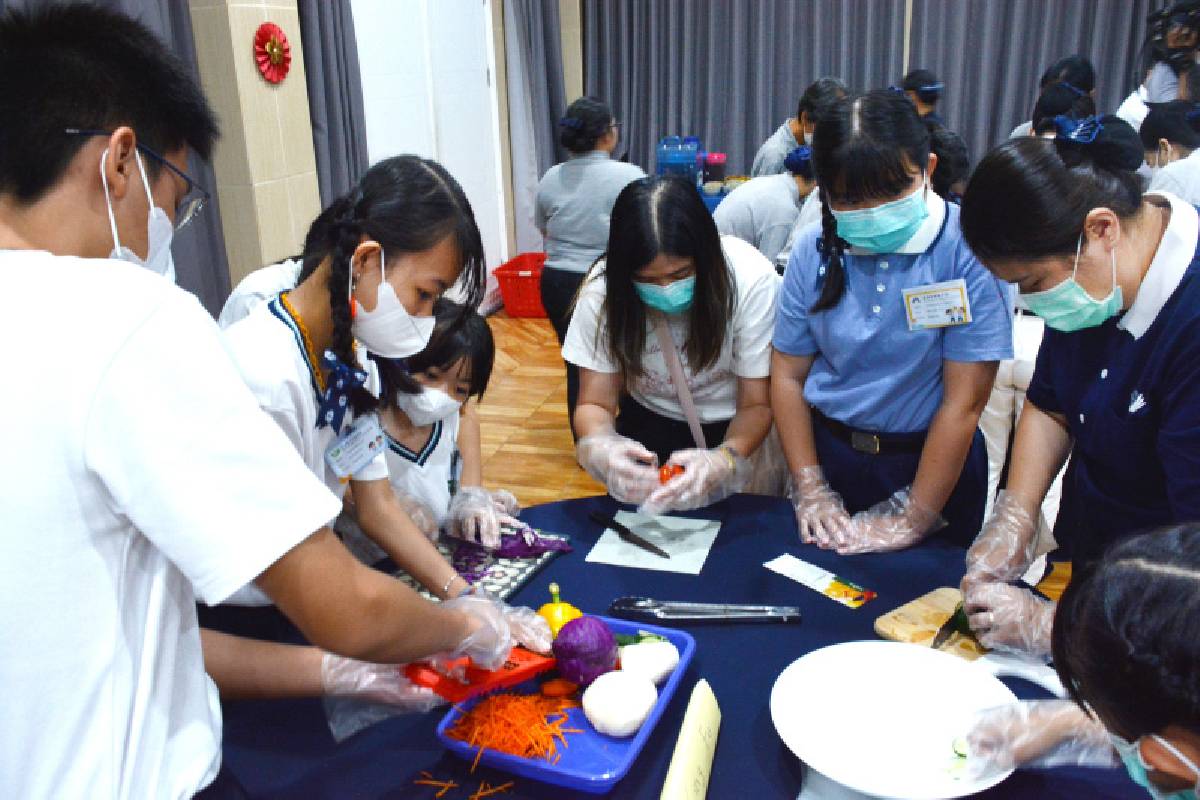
<point x="407" y="204"/>
<point x="1126" y="638"/>
<point x="863" y="148"/>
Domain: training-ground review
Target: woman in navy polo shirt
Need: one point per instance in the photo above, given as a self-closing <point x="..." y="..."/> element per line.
<point x="886" y="343"/>
<point x="1115" y="275"/>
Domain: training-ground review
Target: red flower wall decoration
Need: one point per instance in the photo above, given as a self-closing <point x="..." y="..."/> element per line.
<point x="272" y="52"/>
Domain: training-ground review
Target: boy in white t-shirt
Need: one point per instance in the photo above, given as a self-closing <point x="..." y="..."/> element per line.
<point x="141" y="473"/>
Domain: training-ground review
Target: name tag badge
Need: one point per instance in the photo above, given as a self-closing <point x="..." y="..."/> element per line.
<point x="937" y="305"/>
<point x="356" y="447"/>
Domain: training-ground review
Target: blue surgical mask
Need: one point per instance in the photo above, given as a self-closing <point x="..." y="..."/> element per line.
<point x="885" y="228"/>
<point x="1067" y="307"/>
<point x="674" y="298"/>
<point x="1136" y="766"/>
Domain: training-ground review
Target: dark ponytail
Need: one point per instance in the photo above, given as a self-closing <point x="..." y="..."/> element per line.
<point x="1126" y="638"/>
<point x="1029" y="197"/>
<point x="1057" y="100"/>
<point x="864" y="148"/>
<point x="586" y="121"/>
<point x="408" y="204"/>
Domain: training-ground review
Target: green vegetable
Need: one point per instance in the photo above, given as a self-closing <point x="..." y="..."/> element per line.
<point x="624" y="639"/>
<point x="961" y="623"/>
<point x="959" y="746"/>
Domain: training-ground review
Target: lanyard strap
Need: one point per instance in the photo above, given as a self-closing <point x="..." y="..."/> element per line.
<point x="671" y="356"/>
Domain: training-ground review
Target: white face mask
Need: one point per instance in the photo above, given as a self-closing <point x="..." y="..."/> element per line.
<point x="159" y="230"/>
<point x="389" y="330"/>
<point x="427" y="406"/>
<point x="808" y="138"/>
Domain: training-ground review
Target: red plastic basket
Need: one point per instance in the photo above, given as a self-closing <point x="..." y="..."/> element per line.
<point x="521" y="285"/>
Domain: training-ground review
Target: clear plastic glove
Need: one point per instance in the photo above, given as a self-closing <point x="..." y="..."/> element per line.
<point x="490" y="640"/>
<point x="1038" y="733"/>
<point x="505" y="502"/>
<point x="626" y="468"/>
<point x="421" y="515"/>
<point x="473" y="516"/>
<point x="378" y="683"/>
<point x="527" y="628"/>
<point x="1005" y="547"/>
<point x="708" y="476"/>
<point x="1010" y="618"/>
<point x="820" y="513"/>
<point x="894" y="524"/>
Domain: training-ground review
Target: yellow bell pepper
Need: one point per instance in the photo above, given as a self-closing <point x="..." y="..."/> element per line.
<point x="557" y="613"/>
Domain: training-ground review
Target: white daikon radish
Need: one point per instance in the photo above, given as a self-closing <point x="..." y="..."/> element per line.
<point x="617" y="703"/>
<point x="655" y="660"/>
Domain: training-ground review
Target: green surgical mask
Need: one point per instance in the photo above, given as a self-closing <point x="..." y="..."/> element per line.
<point x="674" y="298"/>
<point x="1136" y="766"/>
<point x="1067" y="307"/>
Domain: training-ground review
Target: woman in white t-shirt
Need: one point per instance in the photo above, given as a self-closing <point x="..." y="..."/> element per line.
<point x="668" y="272"/>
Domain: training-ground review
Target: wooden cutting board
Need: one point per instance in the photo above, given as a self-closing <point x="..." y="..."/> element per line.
<point x="918" y="622"/>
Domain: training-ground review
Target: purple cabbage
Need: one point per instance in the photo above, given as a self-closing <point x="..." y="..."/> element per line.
<point x="585" y="649"/>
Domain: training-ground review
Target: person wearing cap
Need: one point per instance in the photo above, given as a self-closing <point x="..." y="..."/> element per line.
<point x="1116" y="277"/>
<point x="763" y="210"/>
<point x="574" y="202"/>
<point x="797" y="130"/>
<point x="924" y="89"/>
<point x="1172" y="147"/>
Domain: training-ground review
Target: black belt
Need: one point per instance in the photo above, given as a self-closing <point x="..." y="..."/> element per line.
<point x="872" y="444"/>
<point x="1025" y="312"/>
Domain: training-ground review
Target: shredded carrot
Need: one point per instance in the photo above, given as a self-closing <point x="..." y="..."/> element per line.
<point x="520" y="725"/>
<point x="559" y="687"/>
<point x="428" y="780"/>
<point x="487" y="791"/>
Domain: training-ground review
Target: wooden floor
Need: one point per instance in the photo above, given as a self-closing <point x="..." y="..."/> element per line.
<point x="527" y="445"/>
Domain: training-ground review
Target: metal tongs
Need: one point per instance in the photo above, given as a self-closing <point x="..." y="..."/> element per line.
<point x="650" y="610"/>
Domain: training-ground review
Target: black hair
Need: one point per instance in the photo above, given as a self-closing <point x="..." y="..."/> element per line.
<point x="926" y="85"/>
<point x="1190" y="78"/>
<point x="1126" y="637"/>
<point x="953" y="164"/>
<point x="1169" y="121"/>
<point x="818" y="96"/>
<point x="1029" y="197"/>
<point x="1075" y="70"/>
<point x="408" y="204"/>
<point x="1060" y="99"/>
<point x="586" y="121"/>
<point x="654" y="216"/>
<point x="459" y="332"/>
<point x="865" y="147"/>
<point x="799" y="162"/>
<point x="75" y="65"/>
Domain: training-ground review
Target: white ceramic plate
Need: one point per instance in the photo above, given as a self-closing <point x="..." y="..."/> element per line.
<point x="881" y="717"/>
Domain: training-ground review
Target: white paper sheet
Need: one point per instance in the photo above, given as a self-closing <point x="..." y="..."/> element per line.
<point x="687" y="540"/>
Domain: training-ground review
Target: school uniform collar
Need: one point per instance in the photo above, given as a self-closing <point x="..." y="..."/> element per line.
<point x="591" y="155"/>
<point x="1171" y="260"/>
<point x="926" y="235"/>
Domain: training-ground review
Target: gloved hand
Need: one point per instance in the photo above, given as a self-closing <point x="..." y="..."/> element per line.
<point x="525" y="626"/>
<point x="893" y="524"/>
<point x="377" y="683"/>
<point x="505" y="502"/>
<point x="473" y="516"/>
<point x="490" y="640"/>
<point x="1038" y="733"/>
<point x="1005" y="547"/>
<point x="629" y="470"/>
<point x="1010" y="618"/>
<point x="820" y="513"/>
<point x="421" y="515"/>
<point x="708" y="476"/>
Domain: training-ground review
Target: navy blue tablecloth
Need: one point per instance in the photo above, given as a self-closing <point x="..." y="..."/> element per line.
<point x="283" y="748"/>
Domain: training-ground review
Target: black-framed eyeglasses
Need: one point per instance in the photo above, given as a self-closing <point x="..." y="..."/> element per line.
<point x="193" y="199"/>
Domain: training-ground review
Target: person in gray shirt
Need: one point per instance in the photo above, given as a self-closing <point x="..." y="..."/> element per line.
<point x="574" y="201"/>
<point x="763" y="210"/>
<point x="796" y="130"/>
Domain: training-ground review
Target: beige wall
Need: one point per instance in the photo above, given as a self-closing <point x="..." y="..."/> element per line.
<point x="571" y="20"/>
<point x="266" y="169"/>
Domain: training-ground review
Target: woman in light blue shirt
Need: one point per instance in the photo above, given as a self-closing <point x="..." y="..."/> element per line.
<point x="574" y="202"/>
<point x="886" y="343"/>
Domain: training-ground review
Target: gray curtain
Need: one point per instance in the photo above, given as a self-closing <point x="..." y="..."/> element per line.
<point x="199" y="249"/>
<point x="729" y="72"/>
<point x="990" y="54"/>
<point x="536" y="101"/>
<point x="335" y="98"/>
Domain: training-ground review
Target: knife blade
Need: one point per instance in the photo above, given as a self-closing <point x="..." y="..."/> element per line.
<point x="628" y="535"/>
<point x="947" y="630"/>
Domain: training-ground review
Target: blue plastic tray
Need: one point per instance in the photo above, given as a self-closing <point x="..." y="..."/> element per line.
<point x="591" y="761"/>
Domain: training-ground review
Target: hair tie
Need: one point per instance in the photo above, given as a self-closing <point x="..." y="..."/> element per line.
<point x="1075" y="90"/>
<point x="931" y="88"/>
<point x="799" y="160"/>
<point x="895" y="89"/>
<point x="571" y="122"/>
<point x="1083" y="131"/>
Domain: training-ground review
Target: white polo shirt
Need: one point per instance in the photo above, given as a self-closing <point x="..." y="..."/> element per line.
<point x="745" y="353"/>
<point x="258" y="287"/>
<point x="139" y="475"/>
